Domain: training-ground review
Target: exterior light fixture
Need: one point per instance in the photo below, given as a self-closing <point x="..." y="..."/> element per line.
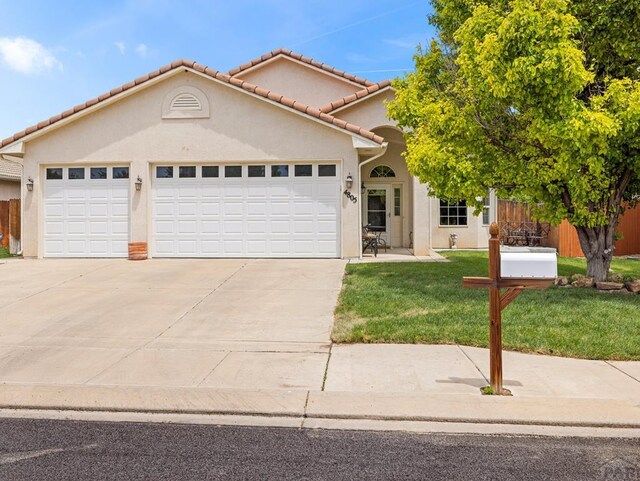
<point x="349" y="181"/>
<point x="30" y="184"/>
<point x="363" y="189"/>
<point x="138" y="184"/>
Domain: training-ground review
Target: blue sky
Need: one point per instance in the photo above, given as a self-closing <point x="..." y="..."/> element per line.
<point x="56" y="54"/>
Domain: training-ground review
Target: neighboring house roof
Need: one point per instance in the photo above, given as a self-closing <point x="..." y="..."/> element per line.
<point x="301" y="58"/>
<point x="214" y="74"/>
<point x="360" y="94"/>
<point x="10" y="170"/>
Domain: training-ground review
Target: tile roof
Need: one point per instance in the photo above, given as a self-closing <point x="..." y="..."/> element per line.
<point x="293" y="104"/>
<point x="10" y="170"/>
<point x="300" y="58"/>
<point x="355" y="96"/>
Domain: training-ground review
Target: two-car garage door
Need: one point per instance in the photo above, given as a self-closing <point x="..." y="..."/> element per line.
<point x="262" y="210"/>
<point x="225" y="210"/>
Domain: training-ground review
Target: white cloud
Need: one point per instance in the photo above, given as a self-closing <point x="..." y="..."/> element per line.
<point x="406" y="42"/>
<point x="142" y="50"/>
<point x="121" y="46"/>
<point x="27" y="56"/>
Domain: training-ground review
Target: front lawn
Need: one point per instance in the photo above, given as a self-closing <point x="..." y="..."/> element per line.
<point x="425" y="303"/>
<point x="4" y="252"/>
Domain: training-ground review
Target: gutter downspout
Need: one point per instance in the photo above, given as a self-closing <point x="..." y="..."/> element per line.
<point x="370" y="159"/>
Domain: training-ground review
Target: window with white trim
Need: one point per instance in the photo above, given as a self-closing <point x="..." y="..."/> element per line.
<point x="453" y="214"/>
<point x="382" y="171"/>
<point x="486" y="210"/>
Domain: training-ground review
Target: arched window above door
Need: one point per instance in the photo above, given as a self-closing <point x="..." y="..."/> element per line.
<point x="382" y="171"/>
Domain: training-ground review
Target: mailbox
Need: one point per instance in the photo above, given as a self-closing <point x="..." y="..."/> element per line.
<point x="528" y="262"/>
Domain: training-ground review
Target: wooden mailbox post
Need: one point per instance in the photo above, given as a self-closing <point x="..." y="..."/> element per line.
<point x="498" y="301"/>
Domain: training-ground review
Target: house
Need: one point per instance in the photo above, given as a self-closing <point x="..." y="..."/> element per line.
<point x="10" y="177"/>
<point x="283" y="156"/>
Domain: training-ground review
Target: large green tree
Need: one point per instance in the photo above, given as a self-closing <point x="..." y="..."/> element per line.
<point x="537" y="99"/>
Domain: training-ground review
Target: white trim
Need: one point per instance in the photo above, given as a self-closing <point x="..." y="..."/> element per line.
<point x="265" y="63"/>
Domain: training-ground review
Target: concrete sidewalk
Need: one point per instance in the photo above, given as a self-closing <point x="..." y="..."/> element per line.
<point x="378" y="382"/>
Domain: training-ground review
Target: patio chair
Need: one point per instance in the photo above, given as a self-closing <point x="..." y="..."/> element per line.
<point x="369" y="241"/>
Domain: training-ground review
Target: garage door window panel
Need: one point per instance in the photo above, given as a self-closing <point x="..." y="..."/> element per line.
<point x="120" y="172"/>
<point x="187" y="172"/>
<point x="164" y="172"/>
<point x="279" y="171"/>
<point x="256" y="171"/>
<point x="98" y="173"/>
<point x="304" y="170"/>
<point x="210" y="171"/>
<point x="76" y="173"/>
<point x="54" y="174"/>
<point x="328" y="170"/>
<point x="233" y="171"/>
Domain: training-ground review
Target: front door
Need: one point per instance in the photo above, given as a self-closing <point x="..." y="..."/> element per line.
<point x="379" y="211"/>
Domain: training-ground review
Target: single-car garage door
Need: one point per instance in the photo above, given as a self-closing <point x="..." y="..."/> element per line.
<point x="86" y="212"/>
<point x="261" y="210"/>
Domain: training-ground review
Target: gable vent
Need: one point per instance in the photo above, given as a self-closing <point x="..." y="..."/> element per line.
<point x="186" y="102"/>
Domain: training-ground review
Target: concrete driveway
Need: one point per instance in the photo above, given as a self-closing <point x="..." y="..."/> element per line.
<point x="259" y="324"/>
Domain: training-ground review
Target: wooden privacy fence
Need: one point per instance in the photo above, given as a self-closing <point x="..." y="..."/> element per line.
<point x="517" y="226"/>
<point x="515" y="217"/>
<point x="568" y="244"/>
<point x="10" y="224"/>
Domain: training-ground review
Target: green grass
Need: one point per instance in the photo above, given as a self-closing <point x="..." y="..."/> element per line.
<point x="4" y="252"/>
<point x="425" y="303"/>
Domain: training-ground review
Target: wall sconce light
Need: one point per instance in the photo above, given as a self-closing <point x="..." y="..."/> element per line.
<point x="349" y="181"/>
<point x="363" y="189"/>
<point x="138" y="184"/>
<point x="30" y="184"/>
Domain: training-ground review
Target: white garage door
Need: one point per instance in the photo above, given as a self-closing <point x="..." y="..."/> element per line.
<point x="86" y="212"/>
<point x="247" y="211"/>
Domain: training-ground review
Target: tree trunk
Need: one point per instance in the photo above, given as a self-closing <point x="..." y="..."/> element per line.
<point x="598" y="245"/>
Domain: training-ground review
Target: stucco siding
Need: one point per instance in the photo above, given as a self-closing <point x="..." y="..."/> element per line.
<point x="300" y="82"/>
<point x="368" y="113"/>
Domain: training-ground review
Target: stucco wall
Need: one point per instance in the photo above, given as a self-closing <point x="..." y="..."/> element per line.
<point x="368" y="113"/>
<point x="9" y="190"/>
<point x="241" y="128"/>
<point x="300" y="82"/>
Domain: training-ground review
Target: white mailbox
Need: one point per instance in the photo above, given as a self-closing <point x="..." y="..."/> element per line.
<point x="528" y="262"/>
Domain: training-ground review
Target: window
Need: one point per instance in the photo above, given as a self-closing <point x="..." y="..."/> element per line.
<point x="54" y="174"/>
<point x="453" y="213"/>
<point x="256" y="171"/>
<point x="164" y="172"/>
<point x="121" y="172"/>
<point x="382" y="171"/>
<point x="396" y="201"/>
<point x="304" y="170"/>
<point x="327" y="170"/>
<point x="486" y="211"/>
<point x="187" y="171"/>
<point x="98" y="172"/>
<point x="233" y="171"/>
<point x="210" y="171"/>
<point x="76" y="173"/>
<point x="279" y="171"/>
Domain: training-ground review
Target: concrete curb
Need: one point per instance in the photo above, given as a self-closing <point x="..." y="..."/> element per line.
<point x="569" y="412"/>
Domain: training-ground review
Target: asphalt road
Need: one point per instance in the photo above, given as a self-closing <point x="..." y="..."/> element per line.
<point x="72" y="450"/>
